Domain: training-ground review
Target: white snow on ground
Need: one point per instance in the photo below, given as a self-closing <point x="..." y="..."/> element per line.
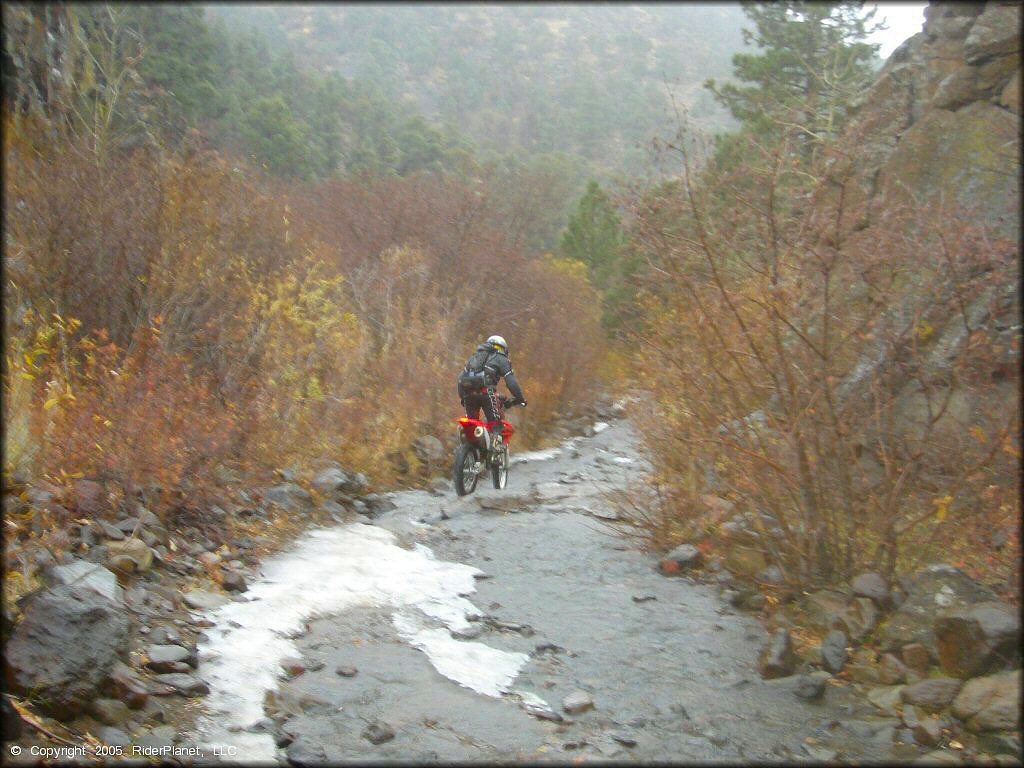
<point x="326" y="572"/>
<point x="473" y="665"/>
<point x="544" y="455"/>
<point x="601" y="426"/>
<point x="622" y="460"/>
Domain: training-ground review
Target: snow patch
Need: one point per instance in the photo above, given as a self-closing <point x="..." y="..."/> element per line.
<point x="544" y="455"/>
<point x="601" y="426"/>
<point x="622" y="460"/>
<point x="328" y="571"/>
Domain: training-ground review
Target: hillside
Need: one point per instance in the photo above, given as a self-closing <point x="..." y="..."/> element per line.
<point x="584" y="80"/>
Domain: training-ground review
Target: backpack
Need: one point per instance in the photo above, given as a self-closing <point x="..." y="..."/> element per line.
<point x="473" y="376"/>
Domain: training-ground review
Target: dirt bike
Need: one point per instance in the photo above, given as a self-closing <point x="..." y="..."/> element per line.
<point x="476" y="452"/>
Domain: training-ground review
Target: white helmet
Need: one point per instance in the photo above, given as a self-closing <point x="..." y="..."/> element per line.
<point x="498" y="341"/>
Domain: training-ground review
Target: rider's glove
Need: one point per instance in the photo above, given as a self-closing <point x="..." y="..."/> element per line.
<point x="522" y="401"/>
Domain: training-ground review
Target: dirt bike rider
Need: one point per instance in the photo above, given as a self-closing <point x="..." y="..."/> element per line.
<point x="478" y="380"/>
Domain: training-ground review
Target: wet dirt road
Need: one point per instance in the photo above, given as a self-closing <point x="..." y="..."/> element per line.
<point x="534" y="598"/>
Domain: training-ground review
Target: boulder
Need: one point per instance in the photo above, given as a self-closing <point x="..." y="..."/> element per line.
<point x="85" y="574"/>
<point x="1010" y="96"/>
<point x="891" y="671"/>
<point x="821" y="608"/>
<point x="811" y="687"/>
<point x="990" y="703"/>
<point x="858" y="618"/>
<point x="931" y="591"/>
<point x="863" y="667"/>
<point x="331" y="481"/>
<point x="428" y="449"/>
<point x="916" y="657"/>
<point x="683" y="557"/>
<point x="771" y="575"/>
<point x="872" y="586"/>
<point x="833" y="651"/>
<point x="777" y="657"/>
<point x="996" y="32"/>
<point x="185" y="684"/>
<point x="577" y="701"/>
<point x="981" y="638"/>
<point x="233" y="581"/>
<point x="304" y="752"/>
<point x="932" y="692"/>
<point x="126" y="686"/>
<point x="200" y="600"/>
<point x="1000" y="743"/>
<point x="377" y="732"/>
<point x="109" y="711"/>
<point x="167" y="658"/>
<point x="132" y="555"/>
<point x="64" y="648"/>
<point x="887" y="699"/>
<point x="289" y="496"/>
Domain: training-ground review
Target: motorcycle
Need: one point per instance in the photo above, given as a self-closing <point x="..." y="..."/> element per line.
<point x="477" y="453"/>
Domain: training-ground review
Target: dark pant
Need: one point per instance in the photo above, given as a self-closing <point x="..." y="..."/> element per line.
<point x="488" y="400"/>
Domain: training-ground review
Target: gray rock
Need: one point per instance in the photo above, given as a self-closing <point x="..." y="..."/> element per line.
<point x="990" y="703"/>
<point x="577" y="701"/>
<point x="346" y="671"/>
<point x="85" y="574"/>
<point x="833" y="651"/>
<point x="930" y="592"/>
<point x="233" y="581"/>
<point x="331" y="481"/>
<point x="107" y="531"/>
<point x="888" y="698"/>
<point x="155" y="740"/>
<point x="469" y="633"/>
<point x="289" y="496"/>
<point x="109" y="711"/>
<point x="811" y="687"/>
<point x="995" y="33"/>
<point x="891" y="671"/>
<point x="777" y="657"/>
<point x="428" y="448"/>
<point x="126" y="686"/>
<point x="132" y="555"/>
<point x="64" y="647"/>
<point x="770" y="575"/>
<point x="1000" y="743"/>
<point x="978" y="639"/>
<point x="113" y="737"/>
<point x="932" y="693"/>
<point x="377" y="732"/>
<point x="201" y="600"/>
<point x="185" y="684"/>
<point x="683" y="557"/>
<point x="872" y="586"/>
<point x="534" y="705"/>
<point x="303" y="752"/>
<point x="858" y="618"/>
<point x="166" y="658"/>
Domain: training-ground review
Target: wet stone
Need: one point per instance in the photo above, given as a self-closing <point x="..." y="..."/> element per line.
<point x="833" y="651"/>
<point x="378" y="732"/>
<point x="934" y="693"/>
<point x="346" y="671"/>
<point x="577" y="701"/>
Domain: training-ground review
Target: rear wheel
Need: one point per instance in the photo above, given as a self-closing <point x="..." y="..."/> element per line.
<point x="499" y="471"/>
<point x="463" y="474"/>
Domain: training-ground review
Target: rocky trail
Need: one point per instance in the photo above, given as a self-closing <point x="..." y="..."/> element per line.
<point x="505" y="626"/>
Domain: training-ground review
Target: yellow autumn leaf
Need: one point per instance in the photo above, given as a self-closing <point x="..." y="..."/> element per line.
<point x="26" y="375"/>
<point x="941" y="507"/>
<point x="978" y="434"/>
<point x="50" y="403"/>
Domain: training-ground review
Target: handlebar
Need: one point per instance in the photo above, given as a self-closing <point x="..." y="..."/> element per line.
<point x="507" y="403"/>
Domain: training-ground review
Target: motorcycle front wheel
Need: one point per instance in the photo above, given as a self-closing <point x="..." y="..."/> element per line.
<point x="499" y="471"/>
<point x="463" y="474"/>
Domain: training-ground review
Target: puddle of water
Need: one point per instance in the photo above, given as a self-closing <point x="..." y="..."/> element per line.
<point x="327" y="571"/>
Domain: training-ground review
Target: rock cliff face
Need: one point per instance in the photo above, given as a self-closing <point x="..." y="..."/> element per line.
<point x="943" y="118"/>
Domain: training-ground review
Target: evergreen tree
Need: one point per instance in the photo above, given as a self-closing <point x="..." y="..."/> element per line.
<point x="814" y="61"/>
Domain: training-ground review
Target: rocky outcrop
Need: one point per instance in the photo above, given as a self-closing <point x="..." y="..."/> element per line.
<point x="65" y="646"/>
<point x="942" y="118"/>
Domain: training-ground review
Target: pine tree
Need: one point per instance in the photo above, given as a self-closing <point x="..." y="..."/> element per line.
<point x="814" y="61"/>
